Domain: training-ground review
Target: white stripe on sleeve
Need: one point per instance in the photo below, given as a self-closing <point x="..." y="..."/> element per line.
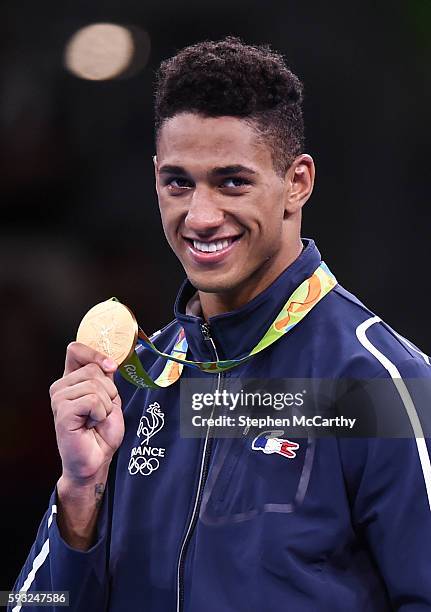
<point x="405" y="397"/>
<point x="38" y="562"/>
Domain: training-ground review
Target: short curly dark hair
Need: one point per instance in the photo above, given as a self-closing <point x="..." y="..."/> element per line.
<point x="229" y="77"/>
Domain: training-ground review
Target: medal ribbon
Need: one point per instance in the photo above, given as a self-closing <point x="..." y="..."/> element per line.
<point x="303" y="299"/>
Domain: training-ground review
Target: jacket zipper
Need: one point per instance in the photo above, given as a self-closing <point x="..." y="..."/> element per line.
<point x="206" y="453"/>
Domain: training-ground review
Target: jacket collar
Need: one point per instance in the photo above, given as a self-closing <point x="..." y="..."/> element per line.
<point x="237" y="332"/>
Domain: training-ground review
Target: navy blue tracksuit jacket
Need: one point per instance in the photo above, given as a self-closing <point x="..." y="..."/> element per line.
<point x="211" y="524"/>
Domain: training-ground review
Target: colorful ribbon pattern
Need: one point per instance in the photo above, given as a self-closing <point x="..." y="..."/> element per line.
<point x="303" y="299"/>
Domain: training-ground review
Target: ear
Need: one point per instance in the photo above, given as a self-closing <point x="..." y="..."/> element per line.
<point x="299" y="182"/>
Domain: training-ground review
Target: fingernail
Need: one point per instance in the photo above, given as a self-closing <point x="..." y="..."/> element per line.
<point x="109" y="364"/>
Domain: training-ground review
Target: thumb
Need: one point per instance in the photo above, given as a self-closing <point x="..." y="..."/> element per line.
<point x="79" y="355"/>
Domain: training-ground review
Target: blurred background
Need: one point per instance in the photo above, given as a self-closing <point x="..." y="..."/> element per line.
<point x="79" y="216"/>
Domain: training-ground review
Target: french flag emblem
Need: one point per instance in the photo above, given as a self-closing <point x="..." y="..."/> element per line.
<point x="269" y="445"/>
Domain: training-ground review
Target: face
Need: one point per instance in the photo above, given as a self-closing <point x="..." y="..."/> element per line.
<point x="224" y="209"/>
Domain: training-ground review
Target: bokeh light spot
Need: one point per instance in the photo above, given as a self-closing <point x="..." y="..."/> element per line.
<point x="100" y="51"/>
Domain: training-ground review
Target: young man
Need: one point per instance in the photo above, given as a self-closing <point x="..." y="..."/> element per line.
<point x="193" y="524"/>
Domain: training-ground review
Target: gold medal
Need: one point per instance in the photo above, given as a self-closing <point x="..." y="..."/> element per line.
<point x="109" y="328"/>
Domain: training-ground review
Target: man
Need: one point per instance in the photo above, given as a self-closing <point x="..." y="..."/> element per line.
<point x="191" y="524"/>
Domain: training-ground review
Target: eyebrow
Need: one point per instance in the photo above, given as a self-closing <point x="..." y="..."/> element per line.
<point x="219" y="171"/>
<point x="225" y="170"/>
<point x="172" y="170"/>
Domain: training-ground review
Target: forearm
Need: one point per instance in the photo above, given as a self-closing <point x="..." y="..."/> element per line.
<point x="78" y="509"/>
<point x="54" y="565"/>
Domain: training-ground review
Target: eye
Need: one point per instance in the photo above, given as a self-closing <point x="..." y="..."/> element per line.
<point x="178" y="183"/>
<point x="234" y="182"/>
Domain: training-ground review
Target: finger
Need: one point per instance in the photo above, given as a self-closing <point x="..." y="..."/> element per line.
<point x="82" y="389"/>
<point x="115" y="407"/>
<point x="90" y="407"/>
<point x="78" y="355"/>
<point x="87" y="373"/>
<point x="77" y="413"/>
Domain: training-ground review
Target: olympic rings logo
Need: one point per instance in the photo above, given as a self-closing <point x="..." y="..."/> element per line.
<point x="142" y="465"/>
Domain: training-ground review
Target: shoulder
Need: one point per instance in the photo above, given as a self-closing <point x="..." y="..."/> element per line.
<point x="366" y="344"/>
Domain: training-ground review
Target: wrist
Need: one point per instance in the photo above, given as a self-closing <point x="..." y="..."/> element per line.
<point x="69" y="483"/>
<point x="89" y="493"/>
<point x="78" y="508"/>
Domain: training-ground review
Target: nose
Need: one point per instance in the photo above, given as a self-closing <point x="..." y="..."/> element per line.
<point x="203" y="215"/>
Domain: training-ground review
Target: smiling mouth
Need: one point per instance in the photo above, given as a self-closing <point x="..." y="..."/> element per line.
<point x="212" y="246"/>
<point x="211" y="251"/>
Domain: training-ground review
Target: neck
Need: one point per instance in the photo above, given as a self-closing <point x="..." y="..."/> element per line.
<point x="218" y="303"/>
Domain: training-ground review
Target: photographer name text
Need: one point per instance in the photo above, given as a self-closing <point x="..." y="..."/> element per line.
<point x="269" y="421"/>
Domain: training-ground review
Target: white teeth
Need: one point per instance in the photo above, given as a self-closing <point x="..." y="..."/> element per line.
<point x="211" y="247"/>
<point x="200" y="246"/>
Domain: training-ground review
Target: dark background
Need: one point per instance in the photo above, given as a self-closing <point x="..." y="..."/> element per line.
<point x="79" y="216"/>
